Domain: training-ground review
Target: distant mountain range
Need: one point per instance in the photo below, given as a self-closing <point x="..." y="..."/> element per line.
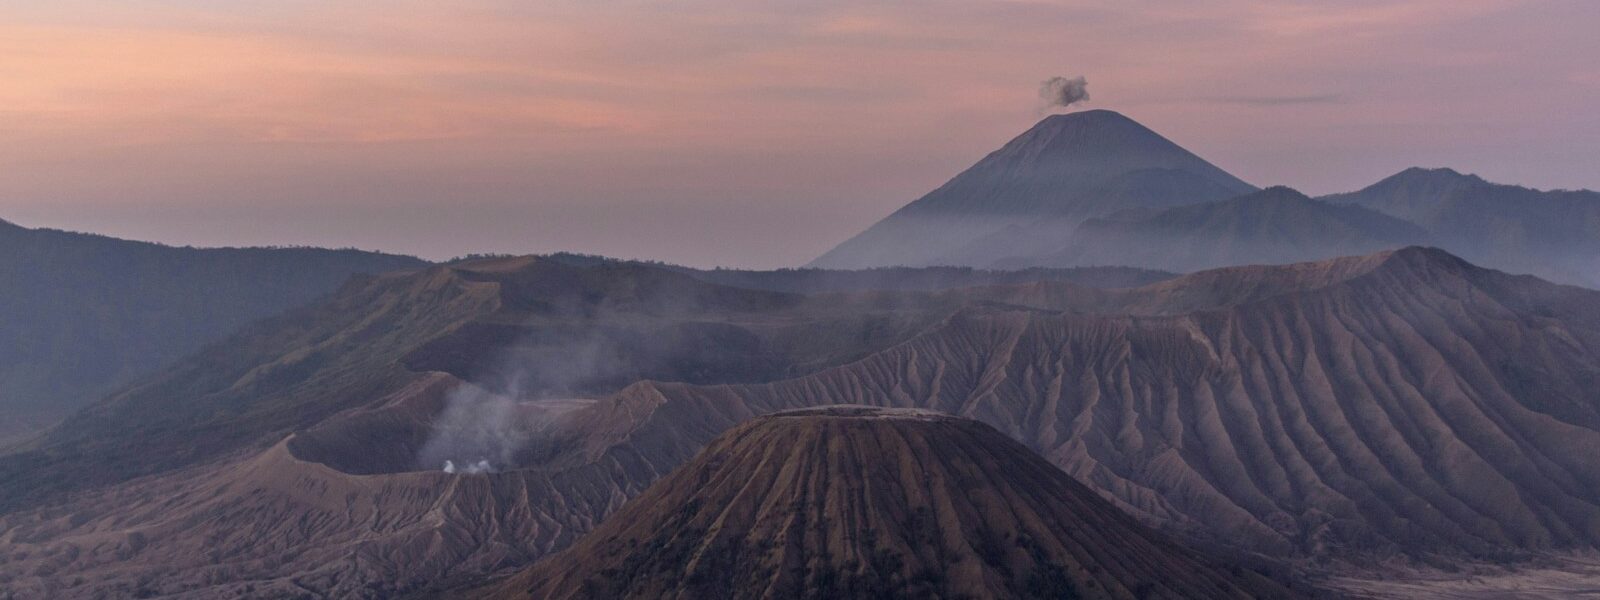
<point x="84" y="314"/>
<point x="1399" y="406"/>
<point x="1552" y="234"/>
<point x="1095" y="188"/>
<point x="1272" y="226"/>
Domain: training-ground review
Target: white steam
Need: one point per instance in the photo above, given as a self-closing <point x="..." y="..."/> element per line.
<point x="481" y="466"/>
<point x="477" y="432"/>
<point x="482" y="431"/>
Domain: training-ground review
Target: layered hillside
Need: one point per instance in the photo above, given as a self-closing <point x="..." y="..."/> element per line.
<point x="322" y="434"/>
<point x="1274" y="226"/>
<point x="1553" y="234"/>
<point x="858" y="502"/>
<point x="84" y="314"/>
<point x="524" y="327"/>
<point x="1402" y="403"/>
<point x="1027" y="196"/>
<point x="1399" y="405"/>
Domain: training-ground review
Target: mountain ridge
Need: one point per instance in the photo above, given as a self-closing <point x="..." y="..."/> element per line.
<point x="1554" y="234"/>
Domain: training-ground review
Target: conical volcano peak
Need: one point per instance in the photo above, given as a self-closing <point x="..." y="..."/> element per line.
<point x="1092" y="132"/>
<point x="1082" y="117"/>
<point x="863" y="502"/>
<point x="1078" y="151"/>
<point x="1035" y="190"/>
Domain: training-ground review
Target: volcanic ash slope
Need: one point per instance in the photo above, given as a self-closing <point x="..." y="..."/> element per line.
<point x="859" y="502"/>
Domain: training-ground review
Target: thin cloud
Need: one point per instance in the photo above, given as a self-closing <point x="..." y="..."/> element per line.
<point x="1281" y="100"/>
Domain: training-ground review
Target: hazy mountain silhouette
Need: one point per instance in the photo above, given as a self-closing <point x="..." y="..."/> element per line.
<point x="1552" y="234"/>
<point x="1028" y="195"/>
<point x="83" y="314"/>
<point x="1274" y="226"/>
<point x="1094" y="188"/>
<point x="859" y="502"/>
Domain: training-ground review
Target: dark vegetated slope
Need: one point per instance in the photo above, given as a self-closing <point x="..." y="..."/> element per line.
<point x="83" y="314"/>
<point x="279" y="375"/>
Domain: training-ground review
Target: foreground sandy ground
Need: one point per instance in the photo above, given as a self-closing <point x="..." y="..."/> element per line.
<point x="1563" y="577"/>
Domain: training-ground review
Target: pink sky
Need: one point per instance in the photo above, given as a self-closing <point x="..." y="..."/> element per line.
<point x="740" y="134"/>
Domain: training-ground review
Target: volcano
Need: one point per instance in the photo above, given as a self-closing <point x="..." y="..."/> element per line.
<point x="1026" y="197"/>
<point x="861" y="502"/>
<point x="1404" y="406"/>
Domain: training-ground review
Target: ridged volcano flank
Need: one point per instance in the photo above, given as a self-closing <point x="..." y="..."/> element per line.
<point x="1094" y="145"/>
<point x="859" y="502"/>
<point x="1065" y="169"/>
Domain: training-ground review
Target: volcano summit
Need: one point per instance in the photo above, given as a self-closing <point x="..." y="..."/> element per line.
<point x="1027" y="196"/>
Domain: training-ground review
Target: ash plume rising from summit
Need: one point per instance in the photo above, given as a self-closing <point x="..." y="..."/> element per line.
<point x="1063" y="92"/>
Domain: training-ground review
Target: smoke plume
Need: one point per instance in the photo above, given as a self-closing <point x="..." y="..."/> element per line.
<point x="481" y="430"/>
<point x="1063" y="92"/>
